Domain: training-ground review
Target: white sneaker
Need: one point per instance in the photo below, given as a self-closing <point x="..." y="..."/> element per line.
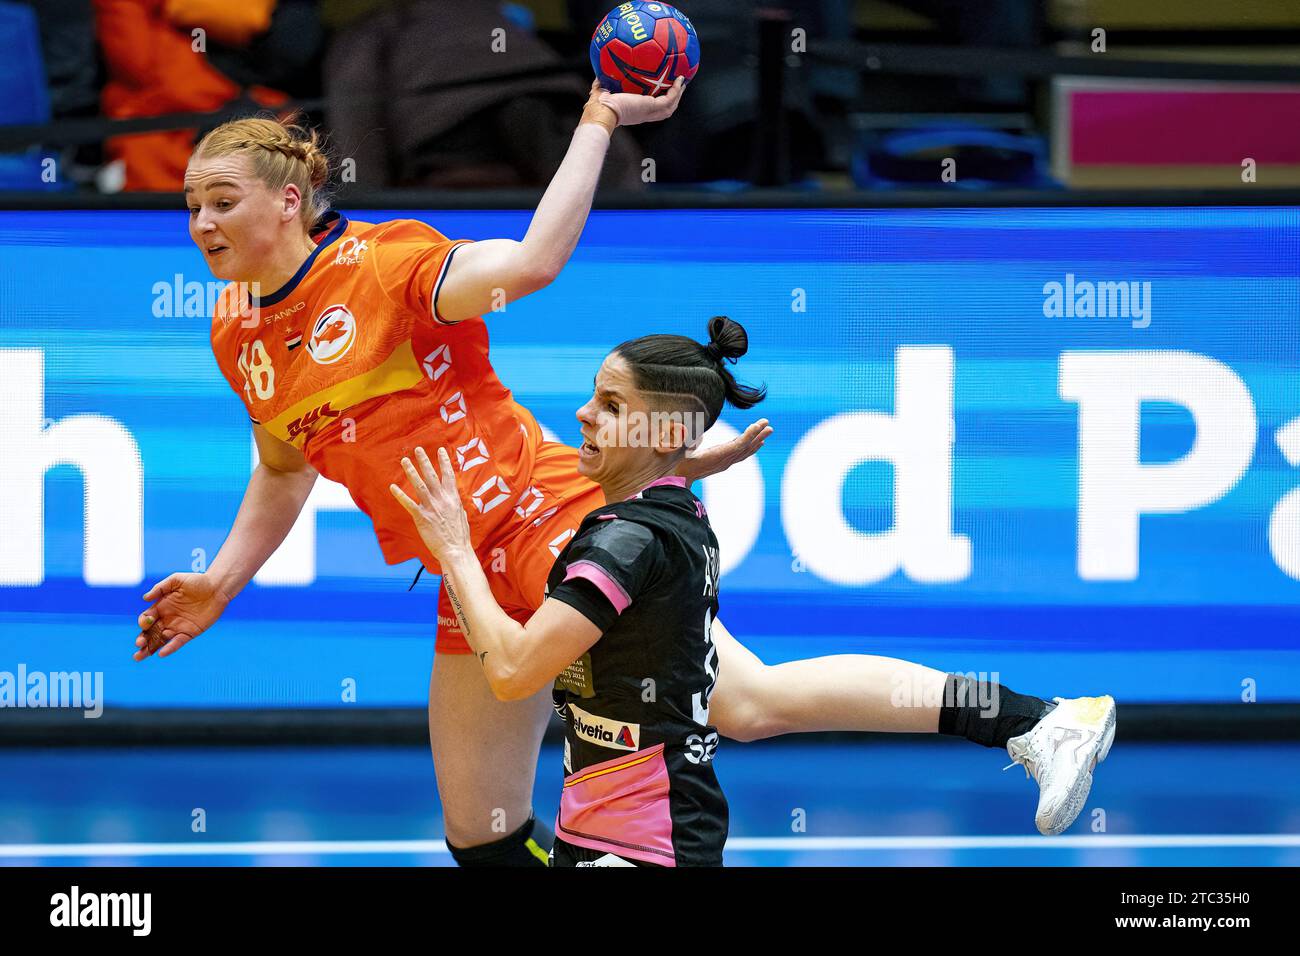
<point x="1061" y="751"/>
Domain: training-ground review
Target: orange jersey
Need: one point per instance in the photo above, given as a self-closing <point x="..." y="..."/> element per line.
<point x="350" y="363"/>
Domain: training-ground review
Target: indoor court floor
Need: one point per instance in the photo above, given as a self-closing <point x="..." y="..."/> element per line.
<point x="879" y="803"/>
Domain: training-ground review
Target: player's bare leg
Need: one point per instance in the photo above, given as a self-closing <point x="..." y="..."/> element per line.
<point x="753" y="700"/>
<point x="1060" y="744"/>
<point x="485" y="756"/>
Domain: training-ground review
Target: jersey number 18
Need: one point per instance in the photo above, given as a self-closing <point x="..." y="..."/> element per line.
<point x="259" y="376"/>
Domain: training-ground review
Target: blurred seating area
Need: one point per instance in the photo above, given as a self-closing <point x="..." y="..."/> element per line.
<point x="818" y="95"/>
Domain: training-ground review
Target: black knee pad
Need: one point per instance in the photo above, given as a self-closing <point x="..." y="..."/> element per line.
<point x="530" y="845"/>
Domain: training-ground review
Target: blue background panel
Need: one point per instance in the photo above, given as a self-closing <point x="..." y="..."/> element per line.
<point x="829" y="297"/>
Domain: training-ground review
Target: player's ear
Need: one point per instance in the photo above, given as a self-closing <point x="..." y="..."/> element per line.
<point x="291" y="202"/>
<point x="673" y="434"/>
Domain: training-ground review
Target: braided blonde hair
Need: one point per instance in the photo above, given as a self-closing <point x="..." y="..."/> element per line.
<point x="281" y="153"/>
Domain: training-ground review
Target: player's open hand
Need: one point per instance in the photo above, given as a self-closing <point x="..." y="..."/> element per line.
<point x="703" y="462"/>
<point x="185" y="605"/>
<point x="437" y="510"/>
<point x="635" y="108"/>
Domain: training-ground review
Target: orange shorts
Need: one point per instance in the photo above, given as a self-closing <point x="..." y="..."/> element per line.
<point x="518" y="561"/>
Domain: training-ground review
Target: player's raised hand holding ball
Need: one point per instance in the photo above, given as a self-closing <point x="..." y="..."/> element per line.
<point x="643" y="53"/>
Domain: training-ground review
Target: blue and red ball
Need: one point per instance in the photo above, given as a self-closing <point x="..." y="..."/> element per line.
<point x="643" y="47"/>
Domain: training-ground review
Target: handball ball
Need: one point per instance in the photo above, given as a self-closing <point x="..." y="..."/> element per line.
<point x="642" y="47"/>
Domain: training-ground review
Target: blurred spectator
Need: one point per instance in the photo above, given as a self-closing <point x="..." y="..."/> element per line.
<point x="497" y="133"/>
<point x="68" y="46"/>
<point x="286" y="56"/>
<point x="995" y="23"/>
<point x="26" y="97"/>
<point x="154" y="51"/>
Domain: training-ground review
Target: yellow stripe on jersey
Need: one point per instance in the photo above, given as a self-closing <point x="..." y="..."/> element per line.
<point x="601" y="773"/>
<point x="397" y="372"/>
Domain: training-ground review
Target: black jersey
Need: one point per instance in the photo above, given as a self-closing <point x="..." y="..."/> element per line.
<point x="638" y="748"/>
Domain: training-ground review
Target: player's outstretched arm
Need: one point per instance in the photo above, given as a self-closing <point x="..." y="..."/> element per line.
<point x="187" y="604"/>
<point x="481" y="274"/>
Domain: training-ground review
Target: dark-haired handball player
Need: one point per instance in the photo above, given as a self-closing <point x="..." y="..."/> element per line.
<point x="625" y="633"/>
<point x="351" y="343"/>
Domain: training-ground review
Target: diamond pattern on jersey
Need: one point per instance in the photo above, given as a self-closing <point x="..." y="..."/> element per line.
<point x="560" y="540"/>
<point x="453" y="409"/>
<point x="437" y="362"/>
<point x="471" y="454"/>
<point x="528" y="502"/>
<point x="493" y="486"/>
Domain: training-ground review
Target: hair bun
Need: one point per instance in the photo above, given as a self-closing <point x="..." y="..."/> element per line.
<point x="727" y="339"/>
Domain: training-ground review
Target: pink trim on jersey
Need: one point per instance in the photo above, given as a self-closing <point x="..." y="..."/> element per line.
<point x="589" y="571"/>
<point x="620" y="806"/>
<point x="677" y="480"/>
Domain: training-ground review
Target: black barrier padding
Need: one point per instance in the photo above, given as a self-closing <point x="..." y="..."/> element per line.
<point x="133" y="727"/>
